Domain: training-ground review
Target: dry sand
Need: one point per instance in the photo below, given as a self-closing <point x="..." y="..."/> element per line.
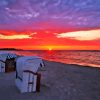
<point x="59" y="82"/>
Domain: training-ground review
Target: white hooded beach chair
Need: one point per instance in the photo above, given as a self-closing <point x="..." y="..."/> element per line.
<point x="27" y="78"/>
<point x="7" y="62"/>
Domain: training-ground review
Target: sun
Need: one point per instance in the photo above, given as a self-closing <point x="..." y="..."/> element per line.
<point x="50" y="49"/>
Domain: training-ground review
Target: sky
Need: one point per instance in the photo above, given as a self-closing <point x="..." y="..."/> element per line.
<point x="50" y="24"/>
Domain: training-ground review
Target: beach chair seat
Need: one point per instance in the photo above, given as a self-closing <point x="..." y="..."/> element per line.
<point x="29" y="83"/>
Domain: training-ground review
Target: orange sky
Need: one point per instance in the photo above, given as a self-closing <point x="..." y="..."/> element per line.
<point x="50" y="39"/>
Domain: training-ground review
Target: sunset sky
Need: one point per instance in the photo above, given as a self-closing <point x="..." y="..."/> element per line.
<point x="50" y="24"/>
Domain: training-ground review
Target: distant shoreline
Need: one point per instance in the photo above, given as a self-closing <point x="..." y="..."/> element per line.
<point x="47" y="50"/>
<point x="9" y="49"/>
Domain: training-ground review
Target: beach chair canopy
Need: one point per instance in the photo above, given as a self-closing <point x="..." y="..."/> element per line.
<point x="31" y="63"/>
<point x="6" y="55"/>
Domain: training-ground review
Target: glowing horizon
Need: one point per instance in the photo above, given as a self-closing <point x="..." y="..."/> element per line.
<point x="46" y="40"/>
<point x="58" y="48"/>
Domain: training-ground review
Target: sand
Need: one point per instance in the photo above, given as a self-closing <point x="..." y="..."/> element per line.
<point x="59" y="82"/>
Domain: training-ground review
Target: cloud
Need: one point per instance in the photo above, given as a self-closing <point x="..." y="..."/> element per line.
<point x="11" y="37"/>
<point x="63" y="13"/>
<point x="81" y="35"/>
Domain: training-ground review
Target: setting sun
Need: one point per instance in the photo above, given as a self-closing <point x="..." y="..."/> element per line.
<point x="50" y="49"/>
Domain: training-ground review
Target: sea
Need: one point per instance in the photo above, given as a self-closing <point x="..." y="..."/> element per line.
<point x="79" y="57"/>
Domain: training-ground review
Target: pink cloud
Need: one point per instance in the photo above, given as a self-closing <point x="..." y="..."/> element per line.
<point x="81" y="35"/>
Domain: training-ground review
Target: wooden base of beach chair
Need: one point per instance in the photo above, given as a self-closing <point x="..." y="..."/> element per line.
<point x="38" y="82"/>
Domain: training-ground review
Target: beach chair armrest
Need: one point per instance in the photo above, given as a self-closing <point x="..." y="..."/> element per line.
<point x="28" y="71"/>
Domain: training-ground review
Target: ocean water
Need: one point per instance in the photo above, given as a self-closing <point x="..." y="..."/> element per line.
<point x="86" y="58"/>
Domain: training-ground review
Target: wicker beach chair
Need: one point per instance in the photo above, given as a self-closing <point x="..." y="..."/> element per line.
<point x="27" y="76"/>
<point x="7" y="62"/>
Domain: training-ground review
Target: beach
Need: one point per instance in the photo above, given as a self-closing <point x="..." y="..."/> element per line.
<point x="59" y="81"/>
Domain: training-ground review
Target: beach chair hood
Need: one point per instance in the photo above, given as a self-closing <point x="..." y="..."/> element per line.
<point x="29" y="63"/>
<point x="6" y="55"/>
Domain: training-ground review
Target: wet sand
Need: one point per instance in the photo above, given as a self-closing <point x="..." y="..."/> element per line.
<point x="59" y="82"/>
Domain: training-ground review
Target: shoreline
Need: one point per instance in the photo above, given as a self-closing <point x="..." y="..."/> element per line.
<point x="59" y="82"/>
<point x="76" y="64"/>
